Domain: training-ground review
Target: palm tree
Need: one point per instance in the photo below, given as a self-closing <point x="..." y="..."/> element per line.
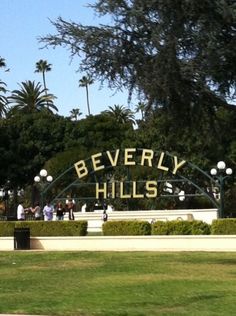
<point x="3" y="99"/>
<point x="121" y="114"/>
<point x="2" y="62"/>
<point x="43" y="67"/>
<point x="85" y="81"/>
<point x="32" y="97"/>
<point x="141" y="107"/>
<point x="75" y="113"/>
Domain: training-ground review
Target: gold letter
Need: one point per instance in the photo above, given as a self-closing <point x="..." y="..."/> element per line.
<point x="113" y="190"/>
<point x="101" y="190"/>
<point x="160" y="163"/>
<point x="96" y="161"/>
<point x="147" y="155"/>
<point x="151" y="186"/>
<point x="81" y="168"/>
<point x="122" y="194"/>
<point x="113" y="161"/>
<point x="177" y="165"/>
<point x="129" y="155"/>
<point x="135" y="195"/>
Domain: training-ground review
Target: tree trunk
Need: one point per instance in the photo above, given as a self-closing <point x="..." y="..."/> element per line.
<point x="87" y="94"/>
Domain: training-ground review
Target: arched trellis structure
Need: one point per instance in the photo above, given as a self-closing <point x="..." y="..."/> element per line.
<point x="132" y="167"/>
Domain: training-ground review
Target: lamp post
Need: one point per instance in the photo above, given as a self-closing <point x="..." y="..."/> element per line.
<point x="221" y="173"/>
<point x="43" y="179"/>
<point x="6" y="194"/>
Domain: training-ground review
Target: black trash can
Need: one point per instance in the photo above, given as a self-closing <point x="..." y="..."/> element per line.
<point x="22" y="238"/>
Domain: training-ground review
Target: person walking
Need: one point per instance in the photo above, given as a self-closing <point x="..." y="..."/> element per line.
<point x="48" y="212"/>
<point x="104" y="216"/>
<point x="71" y="208"/>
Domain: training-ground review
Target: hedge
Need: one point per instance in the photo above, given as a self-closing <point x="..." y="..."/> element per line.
<point x="126" y="228"/>
<point x="48" y="228"/>
<point x="180" y="228"/>
<point x="6" y="229"/>
<point x="224" y="226"/>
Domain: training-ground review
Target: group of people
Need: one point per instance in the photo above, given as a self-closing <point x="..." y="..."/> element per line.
<point x="47" y="212"/>
<point x="60" y="210"/>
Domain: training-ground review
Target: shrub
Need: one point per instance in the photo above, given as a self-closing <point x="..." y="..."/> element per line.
<point x="50" y="228"/>
<point x="225" y="226"/>
<point x="180" y="228"/>
<point x="6" y="229"/>
<point x="126" y="228"/>
<point x="200" y="228"/>
<point x="160" y="228"/>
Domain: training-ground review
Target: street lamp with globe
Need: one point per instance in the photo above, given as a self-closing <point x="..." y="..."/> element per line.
<point x="221" y="173"/>
<point x="43" y="179"/>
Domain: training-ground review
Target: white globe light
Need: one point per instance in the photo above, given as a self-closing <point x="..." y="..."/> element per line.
<point x="229" y="171"/>
<point x="221" y="165"/>
<point x="213" y="172"/>
<point x="36" y="179"/>
<point x="168" y="187"/>
<point x="43" y="173"/>
<point x="49" y="178"/>
<point x="181" y="196"/>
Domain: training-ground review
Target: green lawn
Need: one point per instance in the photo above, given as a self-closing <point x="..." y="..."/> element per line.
<point x="118" y="283"/>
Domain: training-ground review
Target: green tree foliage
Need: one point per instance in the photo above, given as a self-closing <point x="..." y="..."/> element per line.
<point x="4" y="153"/>
<point x="3" y="99"/>
<point x="202" y="143"/>
<point x="32" y="140"/>
<point x="121" y="114"/>
<point x="180" y="55"/>
<point x="141" y="107"/>
<point x="30" y="98"/>
<point x="88" y="136"/>
<point x="2" y="62"/>
<point x="27" y="141"/>
<point x="94" y="134"/>
<point x="99" y="132"/>
<point x="75" y="114"/>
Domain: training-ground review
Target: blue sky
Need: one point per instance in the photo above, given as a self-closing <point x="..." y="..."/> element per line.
<point x="21" y="23"/>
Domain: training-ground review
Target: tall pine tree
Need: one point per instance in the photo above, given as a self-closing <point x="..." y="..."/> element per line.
<point x="178" y="54"/>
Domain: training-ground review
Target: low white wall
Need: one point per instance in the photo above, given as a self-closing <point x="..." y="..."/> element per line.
<point x="137" y="243"/>
<point x="95" y="218"/>
<point x="128" y="243"/>
<point x="6" y="243"/>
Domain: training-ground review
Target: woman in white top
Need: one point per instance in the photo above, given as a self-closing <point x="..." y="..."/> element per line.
<point x="48" y="212"/>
